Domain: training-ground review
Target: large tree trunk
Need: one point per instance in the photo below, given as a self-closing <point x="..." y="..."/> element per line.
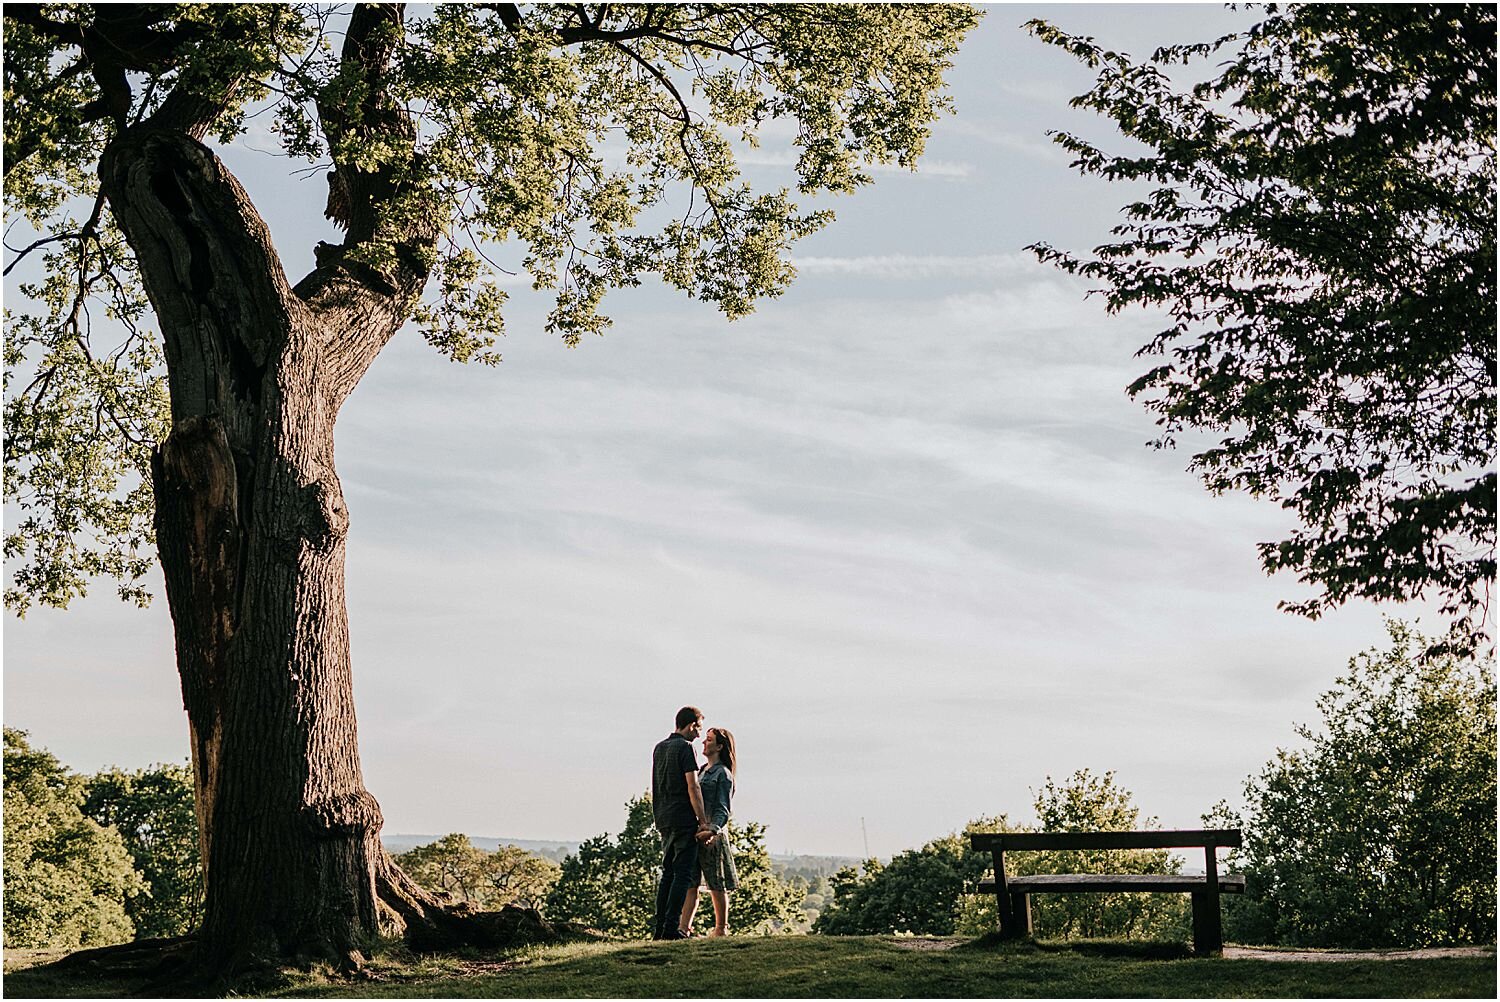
<point x="251" y="525"/>
<point x="252" y="545"/>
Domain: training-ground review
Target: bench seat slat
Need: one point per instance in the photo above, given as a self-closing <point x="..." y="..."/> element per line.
<point x="1156" y="839"/>
<point x="1058" y="883"/>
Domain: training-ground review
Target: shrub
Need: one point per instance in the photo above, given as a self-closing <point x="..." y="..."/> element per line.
<point x="1381" y="830"/>
<point x="67" y="879"/>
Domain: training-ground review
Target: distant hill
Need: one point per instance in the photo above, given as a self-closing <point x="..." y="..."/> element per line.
<point x="401" y="842"/>
<point x="810" y="868"/>
<point x="788" y="864"/>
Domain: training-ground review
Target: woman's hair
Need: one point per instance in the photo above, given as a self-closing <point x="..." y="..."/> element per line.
<point x="725" y="741"/>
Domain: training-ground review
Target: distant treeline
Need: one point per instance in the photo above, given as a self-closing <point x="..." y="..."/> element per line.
<point x="786" y="865"/>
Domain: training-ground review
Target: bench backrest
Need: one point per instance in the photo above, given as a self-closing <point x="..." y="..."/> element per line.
<point x="1177" y="839"/>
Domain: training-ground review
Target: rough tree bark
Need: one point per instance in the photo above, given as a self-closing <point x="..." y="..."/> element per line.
<point x="251" y="527"/>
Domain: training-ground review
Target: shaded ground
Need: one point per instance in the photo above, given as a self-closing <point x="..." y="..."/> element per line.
<point x="845" y="967"/>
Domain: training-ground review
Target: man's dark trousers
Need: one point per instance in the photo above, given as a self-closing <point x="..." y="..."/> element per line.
<point x="679" y="876"/>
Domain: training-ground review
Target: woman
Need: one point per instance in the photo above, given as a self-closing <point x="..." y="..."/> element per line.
<point x="715" y="853"/>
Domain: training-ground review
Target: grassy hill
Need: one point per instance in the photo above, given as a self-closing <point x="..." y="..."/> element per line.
<point x="834" y="967"/>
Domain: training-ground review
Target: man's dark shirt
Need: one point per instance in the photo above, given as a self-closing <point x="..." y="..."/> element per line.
<point x="671" y="761"/>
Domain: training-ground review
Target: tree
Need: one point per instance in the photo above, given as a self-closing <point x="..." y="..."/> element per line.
<point x="490" y="880"/>
<point x="930" y="891"/>
<point x="152" y="809"/>
<point x="917" y="892"/>
<point x="213" y="435"/>
<point x="67" y="880"/>
<point x="1088" y="802"/>
<point x="1320" y="236"/>
<point x="763" y="901"/>
<point x="1380" y="831"/>
<point x="610" y="884"/>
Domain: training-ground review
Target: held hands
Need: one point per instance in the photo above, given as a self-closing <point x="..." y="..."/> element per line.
<point x="706" y="836"/>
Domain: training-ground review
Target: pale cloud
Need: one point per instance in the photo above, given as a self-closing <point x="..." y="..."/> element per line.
<point x="921" y="266"/>
<point x="1038" y="147"/>
<point x="259" y="137"/>
<point x="1052" y="93"/>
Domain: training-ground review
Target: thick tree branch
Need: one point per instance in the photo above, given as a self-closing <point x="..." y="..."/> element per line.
<point x="30" y="14"/>
<point x="509" y="13"/>
<point x="363" y="289"/>
<point x="192" y="113"/>
<point x="127" y="34"/>
<point x="592" y="29"/>
<point x="208" y="265"/>
<point x="358" y="194"/>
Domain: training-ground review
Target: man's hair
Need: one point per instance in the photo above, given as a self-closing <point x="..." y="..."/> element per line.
<point x="687" y="715"/>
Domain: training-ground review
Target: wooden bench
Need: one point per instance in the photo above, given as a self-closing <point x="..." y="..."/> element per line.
<point x="1013" y="894"/>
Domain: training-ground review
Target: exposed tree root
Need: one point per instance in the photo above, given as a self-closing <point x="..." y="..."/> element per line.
<point x="143" y="957"/>
<point x="151" y="968"/>
<point x="427" y="922"/>
<point x="430" y="924"/>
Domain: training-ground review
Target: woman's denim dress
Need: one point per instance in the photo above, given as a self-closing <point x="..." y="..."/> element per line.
<point x="717" y="858"/>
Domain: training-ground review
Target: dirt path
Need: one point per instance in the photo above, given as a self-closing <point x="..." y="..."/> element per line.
<point x="923" y="943"/>
<point x="1333" y="956"/>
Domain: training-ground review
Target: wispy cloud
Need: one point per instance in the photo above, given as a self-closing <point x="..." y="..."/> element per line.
<point x="921" y="266"/>
<point x="1050" y="92"/>
<point x="1036" y="146"/>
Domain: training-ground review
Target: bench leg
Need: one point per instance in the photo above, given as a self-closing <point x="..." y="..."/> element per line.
<point x="1208" y="929"/>
<point x="1020" y="914"/>
<point x="1002" y="913"/>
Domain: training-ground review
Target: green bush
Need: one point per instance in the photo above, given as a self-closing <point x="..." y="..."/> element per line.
<point x="930" y="890"/>
<point x="67" y="879"/>
<point x="1381" y="830"/>
<point x="917" y="892"/>
<point x="489" y="880"/>
<point x="152" y="809"/>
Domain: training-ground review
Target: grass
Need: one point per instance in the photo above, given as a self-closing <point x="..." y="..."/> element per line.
<point x="837" y="967"/>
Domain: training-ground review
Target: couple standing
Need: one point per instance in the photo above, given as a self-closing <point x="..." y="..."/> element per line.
<point x="691" y="807"/>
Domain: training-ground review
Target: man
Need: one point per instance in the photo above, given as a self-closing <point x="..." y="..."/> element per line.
<point x="677" y="804"/>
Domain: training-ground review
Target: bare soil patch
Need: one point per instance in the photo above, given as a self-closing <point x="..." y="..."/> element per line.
<point x="920" y="943"/>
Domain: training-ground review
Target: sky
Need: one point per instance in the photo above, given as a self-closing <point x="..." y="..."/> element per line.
<point x="899" y="531"/>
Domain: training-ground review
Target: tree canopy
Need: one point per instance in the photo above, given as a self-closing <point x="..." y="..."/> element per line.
<point x="489" y="880"/>
<point x="152" y="809"/>
<point x="585" y="146"/>
<point x="1378" y="828"/>
<point x="67" y="879"/>
<point x="1315" y="222"/>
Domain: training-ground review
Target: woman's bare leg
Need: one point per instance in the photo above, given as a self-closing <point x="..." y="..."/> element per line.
<point x="689" y="908"/>
<point x="721" y="912"/>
